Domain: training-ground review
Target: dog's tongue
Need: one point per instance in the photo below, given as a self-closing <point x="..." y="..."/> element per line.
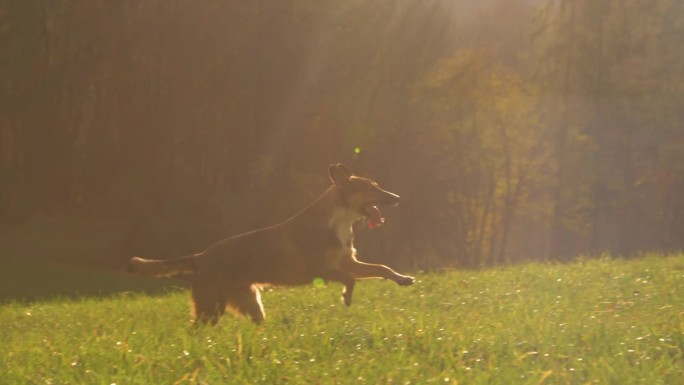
<point x="376" y="218"/>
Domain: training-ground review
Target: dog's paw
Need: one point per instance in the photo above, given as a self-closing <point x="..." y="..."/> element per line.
<point x="405" y="280"/>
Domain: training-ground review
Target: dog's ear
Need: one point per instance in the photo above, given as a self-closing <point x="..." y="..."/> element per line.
<point x="345" y="170"/>
<point x="339" y="174"/>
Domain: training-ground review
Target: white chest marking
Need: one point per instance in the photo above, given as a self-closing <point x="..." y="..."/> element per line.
<point x="341" y="222"/>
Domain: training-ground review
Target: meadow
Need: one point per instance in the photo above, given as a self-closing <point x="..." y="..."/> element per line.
<point x="595" y="321"/>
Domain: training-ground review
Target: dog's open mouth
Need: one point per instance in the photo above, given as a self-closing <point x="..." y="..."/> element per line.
<point x="373" y="216"/>
<point x="372" y="212"/>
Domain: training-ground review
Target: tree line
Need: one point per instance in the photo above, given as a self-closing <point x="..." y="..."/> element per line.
<point x="512" y="129"/>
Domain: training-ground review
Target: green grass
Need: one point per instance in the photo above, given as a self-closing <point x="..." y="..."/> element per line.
<point x="598" y="321"/>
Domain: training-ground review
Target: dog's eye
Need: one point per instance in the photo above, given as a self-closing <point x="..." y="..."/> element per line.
<point x="356" y="186"/>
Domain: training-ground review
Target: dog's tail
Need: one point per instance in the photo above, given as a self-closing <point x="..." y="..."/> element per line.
<point x="162" y="268"/>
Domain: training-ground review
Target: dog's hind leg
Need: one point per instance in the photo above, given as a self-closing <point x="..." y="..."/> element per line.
<point x="247" y="301"/>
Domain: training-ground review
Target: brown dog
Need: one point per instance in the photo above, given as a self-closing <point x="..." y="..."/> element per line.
<point x="316" y="243"/>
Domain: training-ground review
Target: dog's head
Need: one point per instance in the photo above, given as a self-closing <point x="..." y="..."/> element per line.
<point x="361" y="195"/>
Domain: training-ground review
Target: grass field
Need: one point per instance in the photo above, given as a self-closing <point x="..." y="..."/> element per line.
<point x="597" y="321"/>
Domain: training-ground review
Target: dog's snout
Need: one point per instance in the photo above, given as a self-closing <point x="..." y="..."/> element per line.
<point x="392" y="199"/>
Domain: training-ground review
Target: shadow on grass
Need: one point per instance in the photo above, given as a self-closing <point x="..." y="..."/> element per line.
<point x="33" y="282"/>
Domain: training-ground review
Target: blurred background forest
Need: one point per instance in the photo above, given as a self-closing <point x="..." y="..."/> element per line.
<point x="512" y="129"/>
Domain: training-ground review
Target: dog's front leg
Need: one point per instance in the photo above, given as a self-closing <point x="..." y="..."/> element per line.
<point x="344" y="278"/>
<point x="371" y="270"/>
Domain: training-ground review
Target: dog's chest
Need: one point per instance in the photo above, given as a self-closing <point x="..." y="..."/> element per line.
<point x="341" y="223"/>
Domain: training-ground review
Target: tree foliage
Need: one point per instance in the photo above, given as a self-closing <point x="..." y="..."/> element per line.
<point x="512" y="129"/>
